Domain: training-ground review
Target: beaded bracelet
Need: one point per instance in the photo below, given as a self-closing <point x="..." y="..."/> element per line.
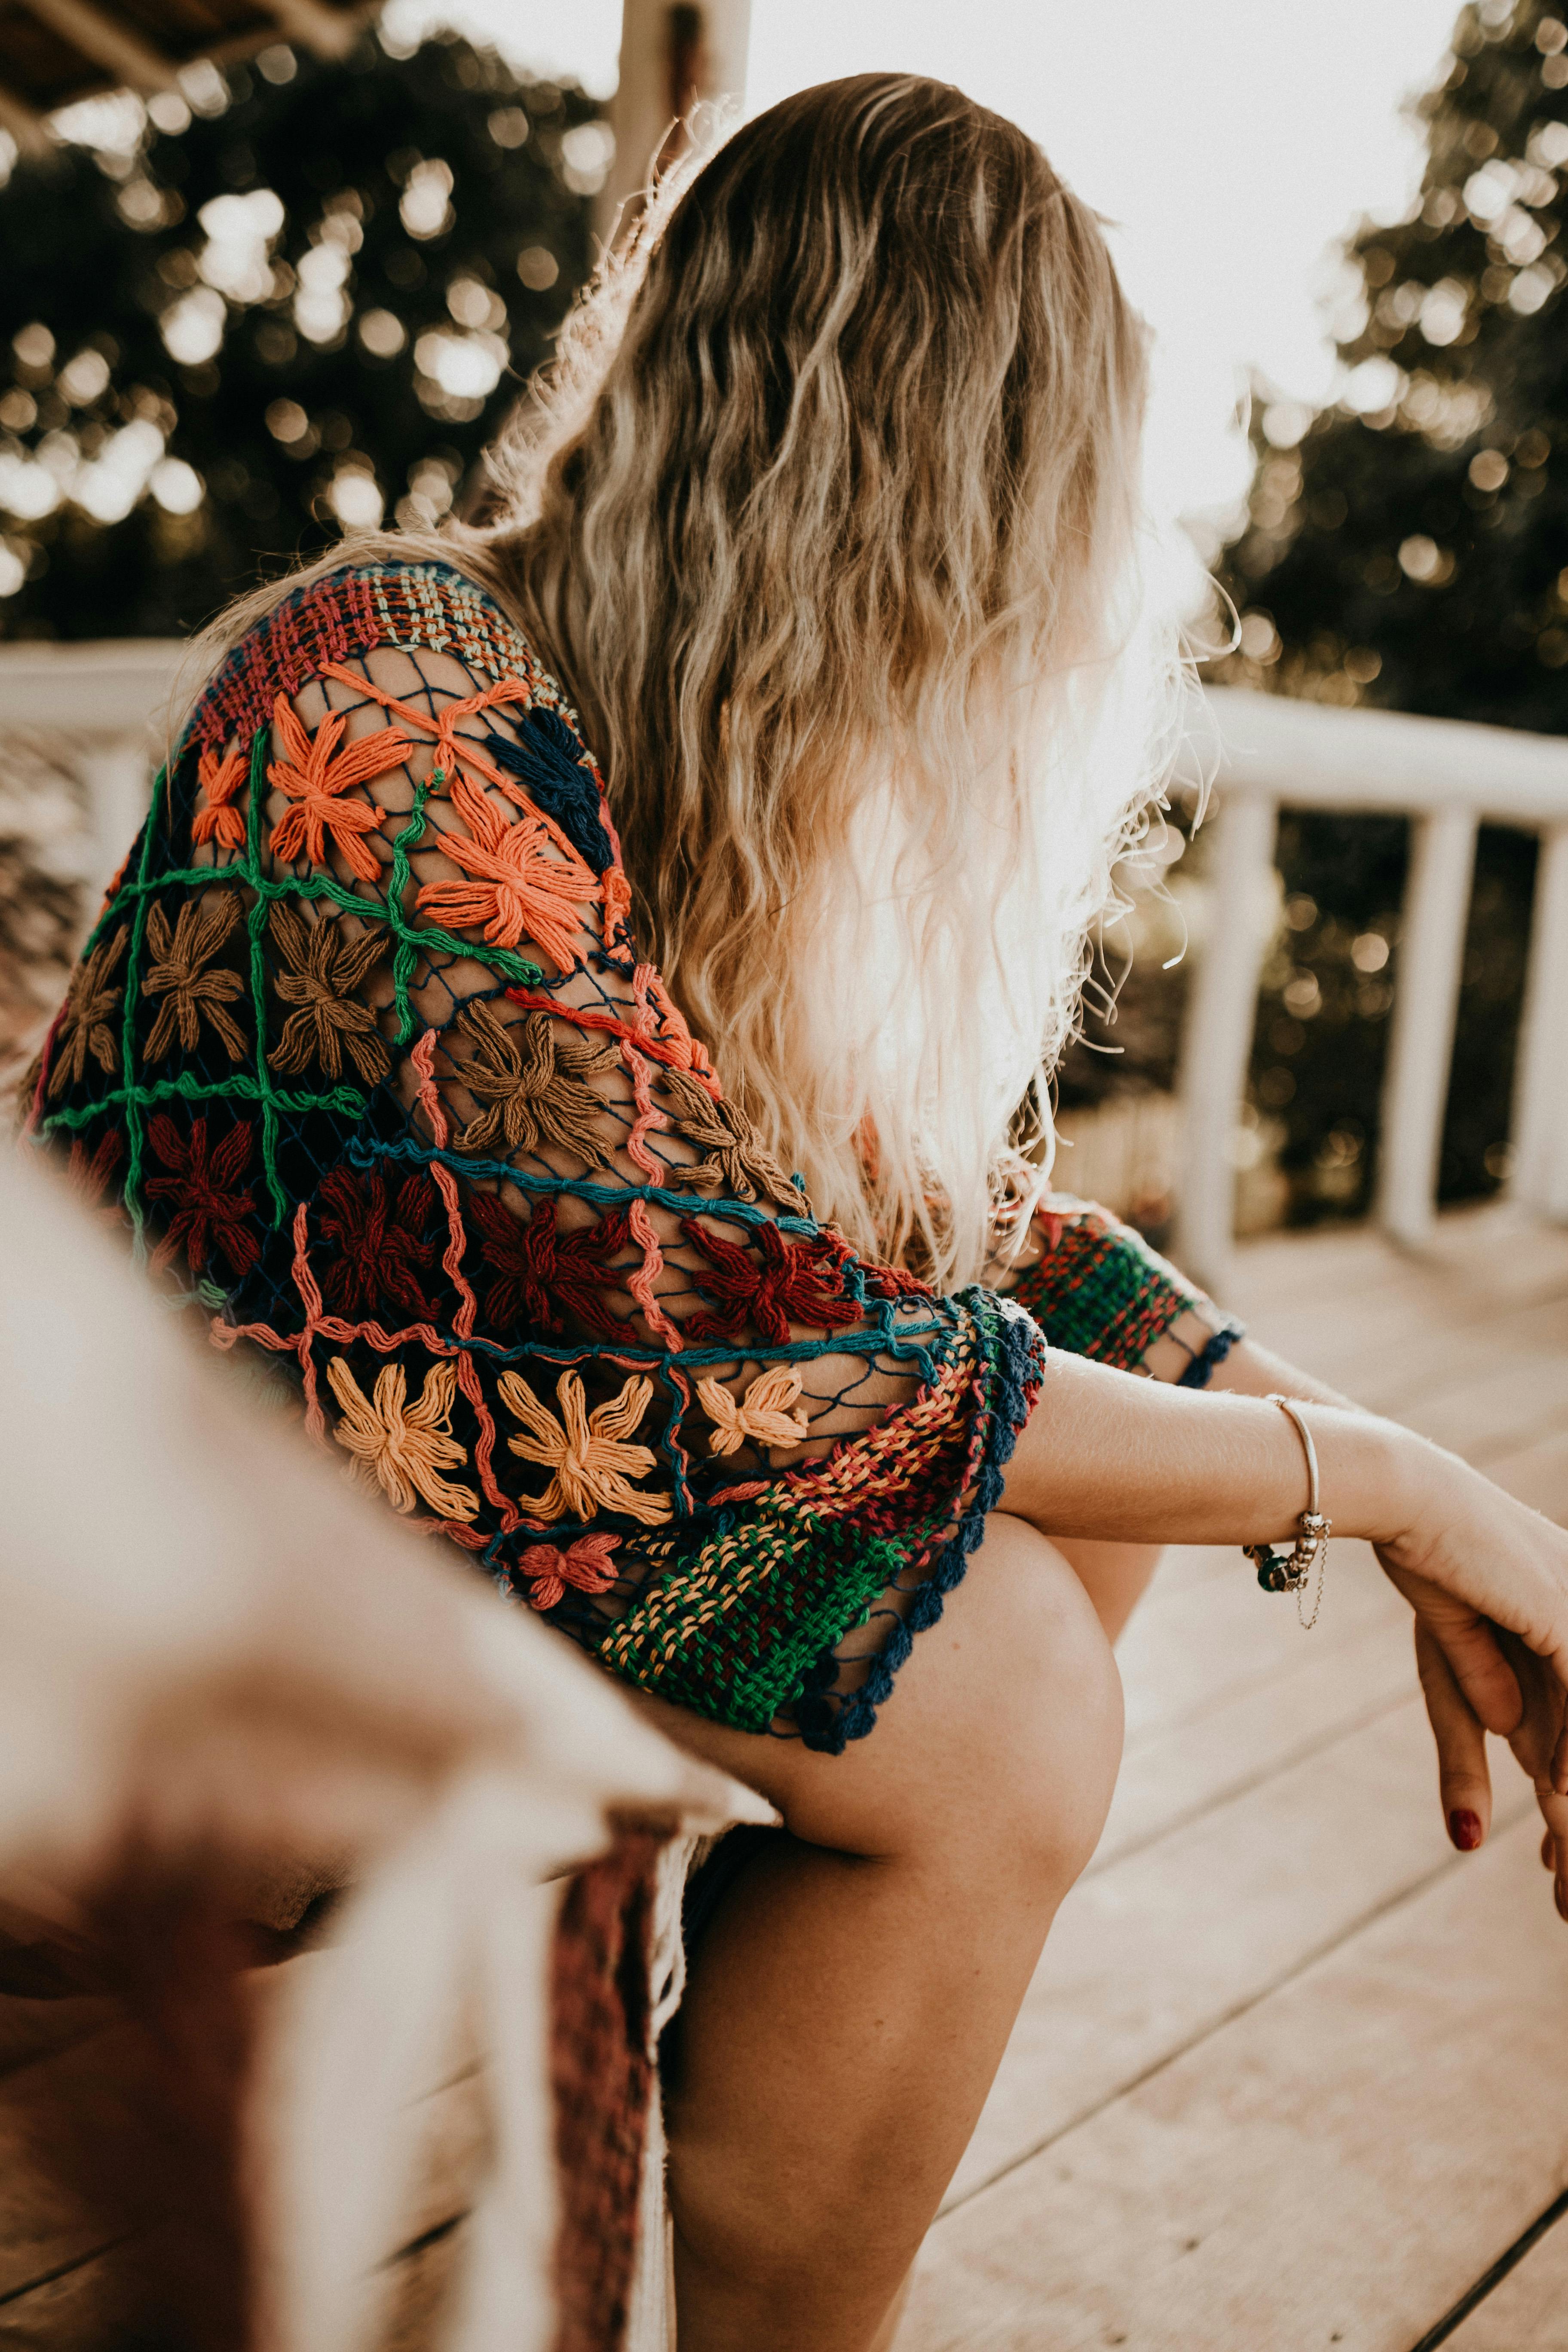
<point x="1291" y="1571"/>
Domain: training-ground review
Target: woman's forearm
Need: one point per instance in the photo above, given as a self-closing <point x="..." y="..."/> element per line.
<point x="1138" y="1461"/>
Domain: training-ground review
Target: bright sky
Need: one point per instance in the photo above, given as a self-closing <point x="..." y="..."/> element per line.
<point x="1231" y="140"/>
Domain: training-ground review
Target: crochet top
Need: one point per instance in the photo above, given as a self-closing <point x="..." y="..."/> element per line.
<point x="362" y="1050"/>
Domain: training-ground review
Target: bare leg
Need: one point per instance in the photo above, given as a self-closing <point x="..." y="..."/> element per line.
<point x="1114" y="1575"/>
<point x="853" y="1994"/>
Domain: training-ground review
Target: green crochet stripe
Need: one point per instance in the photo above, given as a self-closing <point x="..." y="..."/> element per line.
<point x="1102" y="1292"/>
<point x="789" y="1592"/>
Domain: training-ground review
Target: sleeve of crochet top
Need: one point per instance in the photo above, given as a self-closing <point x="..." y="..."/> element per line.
<point x="545" y="1054"/>
<point x="1096" y="1288"/>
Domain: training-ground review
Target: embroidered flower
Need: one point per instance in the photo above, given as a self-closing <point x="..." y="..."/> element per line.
<point x="736" y="1163"/>
<point x="317" y="778"/>
<point x="547" y="1277"/>
<point x="88" y="1178"/>
<point x="586" y="1565"/>
<point x="327" y="968"/>
<point x="90" y="1005"/>
<point x="767" y="1413"/>
<point x="222" y="781"/>
<point x="401" y="1447"/>
<point x="797" y="1282"/>
<point x="551" y="762"/>
<point x="587" y="1452"/>
<point x="209" y="1208"/>
<point x="523" y="885"/>
<point x="381" y="1249"/>
<point x="176" y="971"/>
<point x="531" y="1075"/>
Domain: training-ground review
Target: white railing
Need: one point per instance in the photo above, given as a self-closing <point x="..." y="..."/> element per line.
<point x="109" y="702"/>
<point x="1447" y="775"/>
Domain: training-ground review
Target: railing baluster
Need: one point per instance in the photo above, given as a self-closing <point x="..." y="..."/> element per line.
<point x="116" y="771"/>
<point x="1217" y="1041"/>
<point x="1541" y="1087"/>
<point x="1425" y="1002"/>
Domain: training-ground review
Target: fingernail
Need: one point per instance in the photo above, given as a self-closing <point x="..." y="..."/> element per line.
<point x="1465" y="1828"/>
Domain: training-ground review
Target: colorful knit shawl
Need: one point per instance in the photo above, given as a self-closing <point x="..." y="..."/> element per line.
<point x="361" y="1051"/>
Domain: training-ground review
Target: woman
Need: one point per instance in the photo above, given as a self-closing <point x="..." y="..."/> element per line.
<point x="829" y="533"/>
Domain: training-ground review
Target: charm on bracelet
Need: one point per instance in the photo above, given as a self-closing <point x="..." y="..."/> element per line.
<point x="1280" y="1571"/>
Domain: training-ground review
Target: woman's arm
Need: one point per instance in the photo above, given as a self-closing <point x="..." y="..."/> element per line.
<point x="1137" y="1461"/>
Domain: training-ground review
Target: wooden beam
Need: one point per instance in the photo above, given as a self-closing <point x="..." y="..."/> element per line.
<point x="1425" y="1006"/>
<point x="671" y="58"/>
<point x="26" y="125"/>
<point x="329" y="33"/>
<point x="107" y="43"/>
<point x="1216" y="1042"/>
<point x="1541" y="1086"/>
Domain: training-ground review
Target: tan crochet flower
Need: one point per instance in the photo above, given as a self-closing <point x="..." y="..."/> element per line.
<point x="177" y="970"/>
<point x="90" y="1007"/>
<point x="586" y="1451"/>
<point x="400" y="1447"/>
<point x="327" y="968"/>
<point x="767" y="1413"/>
<point x="736" y="1161"/>
<point x="531" y="1075"/>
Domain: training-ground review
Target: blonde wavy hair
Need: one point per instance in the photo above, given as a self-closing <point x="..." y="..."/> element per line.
<point x="827" y="517"/>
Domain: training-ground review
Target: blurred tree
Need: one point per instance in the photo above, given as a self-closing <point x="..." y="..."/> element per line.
<point x="239" y="326"/>
<point x="1407" y="546"/>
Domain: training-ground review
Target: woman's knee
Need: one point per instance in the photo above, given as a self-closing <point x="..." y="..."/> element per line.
<point x="1051" y="1737"/>
<point x="998" y="1748"/>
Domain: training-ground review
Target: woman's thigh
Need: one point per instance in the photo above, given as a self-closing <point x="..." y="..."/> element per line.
<point x="1003" y="1730"/>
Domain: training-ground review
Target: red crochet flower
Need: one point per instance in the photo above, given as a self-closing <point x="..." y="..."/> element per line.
<point x="892" y="1282"/>
<point x="587" y="1565"/>
<point x="797" y="1282"/>
<point x="201" y="1184"/>
<point x="88" y="1178"/>
<point x="381" y="1252"/>
<point x="545" y="1277"/>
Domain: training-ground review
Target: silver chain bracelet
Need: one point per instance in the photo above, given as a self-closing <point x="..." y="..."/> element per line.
<point x="1291" y="1571"/>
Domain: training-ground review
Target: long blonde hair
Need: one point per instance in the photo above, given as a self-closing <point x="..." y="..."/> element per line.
<point x="826" y="519"/>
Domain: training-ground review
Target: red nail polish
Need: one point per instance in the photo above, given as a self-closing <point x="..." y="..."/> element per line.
<point x="1465" y="1828"/>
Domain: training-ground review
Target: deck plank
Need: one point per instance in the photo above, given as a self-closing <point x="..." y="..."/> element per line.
<point x="1291" y="2072"/>
<point x="1528" y="2312"/>
<point x="1336" y="2166"/>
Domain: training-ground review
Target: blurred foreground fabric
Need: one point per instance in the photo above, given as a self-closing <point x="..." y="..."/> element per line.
<point x="228" y="1689"/>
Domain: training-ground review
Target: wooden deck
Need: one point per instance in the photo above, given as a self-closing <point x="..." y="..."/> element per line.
<point x="1293" y="2073"/>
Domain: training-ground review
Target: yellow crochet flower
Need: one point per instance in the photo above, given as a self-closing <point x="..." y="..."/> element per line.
<point x="586" y="1451"/>
<point x="400" y="1447"/>
<point x="763" y="1413"/>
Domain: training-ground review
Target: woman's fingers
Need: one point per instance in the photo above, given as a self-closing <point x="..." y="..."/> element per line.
<point x="1554" y="1844"/>
<point x="1464" y="1782"/>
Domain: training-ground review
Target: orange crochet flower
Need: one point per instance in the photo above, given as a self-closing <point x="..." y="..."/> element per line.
<point x="317" y="782"/>
<point x="222" y="781"/>
<point x="586" y="1451"/>
<point x="525" y="883"/>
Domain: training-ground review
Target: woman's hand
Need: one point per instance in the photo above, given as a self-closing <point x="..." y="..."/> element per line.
<point x="1488" y="1579"/>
